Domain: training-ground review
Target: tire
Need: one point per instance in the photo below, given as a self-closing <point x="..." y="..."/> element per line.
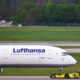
<point x="66" y="76"/>
<point x="52" y="76"/>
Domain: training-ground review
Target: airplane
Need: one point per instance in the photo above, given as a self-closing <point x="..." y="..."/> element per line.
<point x="34" y="56"/>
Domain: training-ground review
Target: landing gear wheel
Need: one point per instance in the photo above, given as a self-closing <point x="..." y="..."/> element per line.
<point x="66" y="76"/>
<point x="52" y="76"/>
<point x="1" y="69"/>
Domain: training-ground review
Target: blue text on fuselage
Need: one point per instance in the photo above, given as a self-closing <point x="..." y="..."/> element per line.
<point x="26" y="50"/>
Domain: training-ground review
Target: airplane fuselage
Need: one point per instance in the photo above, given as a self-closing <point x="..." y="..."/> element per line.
<point x="34" y="56"/>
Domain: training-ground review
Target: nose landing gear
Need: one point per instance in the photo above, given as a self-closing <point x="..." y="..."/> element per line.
<point x="60" y="70"/>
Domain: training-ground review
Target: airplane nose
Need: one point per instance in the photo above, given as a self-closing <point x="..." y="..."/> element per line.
<point x="72" y="60"/>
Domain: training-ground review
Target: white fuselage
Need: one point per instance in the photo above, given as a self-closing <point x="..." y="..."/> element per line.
<point x="34" y="56"/>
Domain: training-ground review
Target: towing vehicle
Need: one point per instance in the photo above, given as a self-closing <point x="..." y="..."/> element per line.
<point x="70" y="75"/>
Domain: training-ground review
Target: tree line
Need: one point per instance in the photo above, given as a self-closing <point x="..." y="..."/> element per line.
<point x="50" y="13"/>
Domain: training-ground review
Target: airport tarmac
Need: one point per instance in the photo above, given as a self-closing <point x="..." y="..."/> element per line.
<point x="73" y="50"/>
<point x="29" y="78"/>
<point x="45" y="43"/>
<point x="40" y="43"/>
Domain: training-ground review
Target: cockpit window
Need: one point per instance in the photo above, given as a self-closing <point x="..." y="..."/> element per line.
<point x="65" y="53"/>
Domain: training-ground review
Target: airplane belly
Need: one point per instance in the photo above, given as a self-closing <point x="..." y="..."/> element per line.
<point x="29" y="61"/>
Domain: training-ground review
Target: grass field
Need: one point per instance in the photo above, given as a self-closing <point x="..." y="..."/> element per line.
<point x="41" y="71"/>
<point x="40" y="34"/>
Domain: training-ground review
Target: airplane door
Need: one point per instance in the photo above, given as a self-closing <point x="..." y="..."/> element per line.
<point x="50" y="54"/>
<point x="1" y="57"/>
<point x="5" y="56"/>
<point x="42" y="60"/>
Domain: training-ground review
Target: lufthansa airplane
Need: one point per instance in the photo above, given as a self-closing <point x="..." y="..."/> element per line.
<point x="33" y="56"/>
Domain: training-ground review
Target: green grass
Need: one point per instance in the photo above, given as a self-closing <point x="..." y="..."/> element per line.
<point x="41" y="71"/>
<point x="40" y="34"/>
